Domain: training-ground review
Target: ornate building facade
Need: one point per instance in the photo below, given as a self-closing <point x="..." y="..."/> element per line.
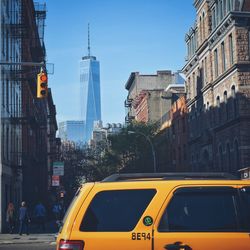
<point x="218" y="86"/>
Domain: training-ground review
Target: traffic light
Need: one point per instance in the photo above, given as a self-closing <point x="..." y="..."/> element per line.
<point x="42" y="85"/>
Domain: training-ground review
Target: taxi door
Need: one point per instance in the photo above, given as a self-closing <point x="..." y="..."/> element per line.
<point x="203" y="218"/>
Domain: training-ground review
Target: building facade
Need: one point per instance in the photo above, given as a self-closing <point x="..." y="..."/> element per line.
<point x="100" y="133"/>
<point x="144" y="101"/>
<point x="10" y="103"/>
<point x="34" y="111"/>
<point x="53" y="142"/>
<point x="171" y="141"/>
<point x="90" y="93"/>
<point x="218" y="86"/>
<point x="24" y="118"/>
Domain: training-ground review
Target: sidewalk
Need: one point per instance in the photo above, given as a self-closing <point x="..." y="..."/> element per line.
<point x="35" y="235"/>
<point x="25" y="239"/>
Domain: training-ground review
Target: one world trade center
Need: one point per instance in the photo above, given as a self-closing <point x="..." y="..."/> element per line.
<point x="90" y="92"/>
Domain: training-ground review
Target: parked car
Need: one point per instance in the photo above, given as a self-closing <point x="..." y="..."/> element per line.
<point x="199" y="211"/>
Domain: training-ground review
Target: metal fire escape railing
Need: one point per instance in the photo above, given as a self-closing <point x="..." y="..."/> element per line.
<point x="17" y="30"/>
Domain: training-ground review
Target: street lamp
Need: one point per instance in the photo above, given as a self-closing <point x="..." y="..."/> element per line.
<point x="151" y="144"/>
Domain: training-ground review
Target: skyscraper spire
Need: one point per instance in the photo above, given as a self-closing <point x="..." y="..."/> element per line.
<point x="88" y="41"/>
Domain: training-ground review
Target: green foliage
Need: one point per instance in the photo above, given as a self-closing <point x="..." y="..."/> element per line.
<point x="133" y="149"/>
<point x="123" y="152"/>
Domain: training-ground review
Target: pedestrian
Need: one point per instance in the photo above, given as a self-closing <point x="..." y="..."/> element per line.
<point x="10" y="217"/>
<point x="24" y="219"/>
<point x="40" y="214"/>
<point x="57" y="210"/>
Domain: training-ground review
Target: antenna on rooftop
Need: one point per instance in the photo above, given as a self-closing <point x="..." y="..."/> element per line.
<point x="88" y="41"/>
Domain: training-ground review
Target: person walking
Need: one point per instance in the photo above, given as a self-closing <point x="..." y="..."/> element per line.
<point x="24" y="219"/>
<point x="40" y="214"/>
<point x="57" y="211"/>
<point x="10" y="217"/>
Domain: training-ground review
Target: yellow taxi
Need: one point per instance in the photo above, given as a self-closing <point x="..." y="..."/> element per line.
<point x="173" y="211"/>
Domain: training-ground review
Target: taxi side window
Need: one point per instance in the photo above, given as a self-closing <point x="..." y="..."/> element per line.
<point x="208" y="209"/>
<point x="116" y="210"/>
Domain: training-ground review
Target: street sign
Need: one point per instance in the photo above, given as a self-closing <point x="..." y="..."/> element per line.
<point x="58" y="168"/>
<point x="55" y="181"/>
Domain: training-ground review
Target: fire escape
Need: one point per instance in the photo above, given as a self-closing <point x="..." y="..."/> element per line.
<point x="29" y="38"/>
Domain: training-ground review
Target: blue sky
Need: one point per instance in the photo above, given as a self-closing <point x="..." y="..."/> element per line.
<point x="126" y="36"/>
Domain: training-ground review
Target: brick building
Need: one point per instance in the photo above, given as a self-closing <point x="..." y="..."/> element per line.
<point x="34" y="111"/>
<point x="144" y="102"/>
<point x="172" y="139"/>
<point x="53" y="143"/>
<point x="10" y="106"/>
<point x="25" y="127"/>
<point x="218" y="86"/>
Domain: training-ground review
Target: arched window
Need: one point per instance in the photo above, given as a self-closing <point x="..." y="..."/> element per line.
<point x="226" y="105"/>
<point x="233" y="92"/>
<point x="203" y="25"/>
<point x="201" y="38"/>
<point x="218" y="109"/>
<point x="234" y="100"/>
<point x="218" y="102"/>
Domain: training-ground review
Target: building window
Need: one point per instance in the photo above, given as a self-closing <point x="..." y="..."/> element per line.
<point x="218" y="109"/>
<point x="213" y="19"/>
<point x="233" y="94"/>
<point x="230" y="5"/>
<point x="205" y="71"/>
<point x="216" y="63"/>
<point x="203" y="25"/>
<point x="231" y="55"/>
<point x="7" y="95"/>
<point x="202" y="74"/>
<point x="224" y="7"/>
<point x="223" y="57"/>
<point x="218" y="102"/>
<point x="7" y="143"/>
<point x="201" y="38"/>
<point x="194" y="85"/>
<point x="226" y="105"/>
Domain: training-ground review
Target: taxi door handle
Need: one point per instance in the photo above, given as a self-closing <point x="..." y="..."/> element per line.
<point x="177" y="246"/>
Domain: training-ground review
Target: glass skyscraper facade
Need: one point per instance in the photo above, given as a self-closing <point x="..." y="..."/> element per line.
<point x="71" y="131"/>
<point x="90" y="97"/>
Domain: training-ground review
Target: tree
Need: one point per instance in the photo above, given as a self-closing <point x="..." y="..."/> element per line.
<point x="122" y="152"/>
<point x="133" y="151"/>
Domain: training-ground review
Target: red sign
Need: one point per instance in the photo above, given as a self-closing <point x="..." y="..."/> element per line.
<point x="55" y="180"/>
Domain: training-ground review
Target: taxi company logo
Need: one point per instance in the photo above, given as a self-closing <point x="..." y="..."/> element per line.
<point x="147" y="220"/>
